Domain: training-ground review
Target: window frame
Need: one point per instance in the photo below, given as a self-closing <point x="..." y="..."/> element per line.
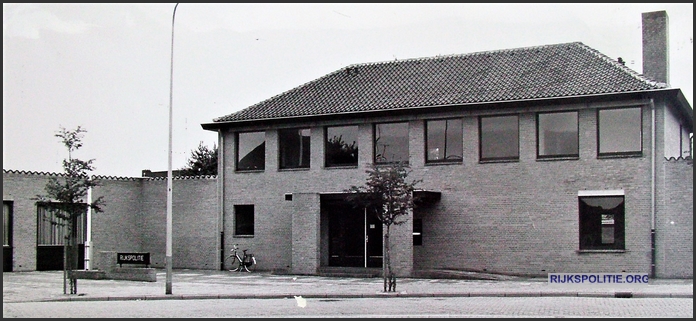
<point x="480" y="136"/>
<point x="634" y="153"/>
<point x="329" y="164"/>
<point x="282" y="148"/>
<point x="461" y="141"/>
<point x="7" y="223"/>
<point x="237" y="159"/>
<point x="577" y="136"/>
<point x="585" y="219"/>
<point x="55" y="235"/>
<point x="374" y="143"/>
<point x="249" y="209"/>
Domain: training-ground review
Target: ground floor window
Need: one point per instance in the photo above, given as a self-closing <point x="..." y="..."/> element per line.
<point x="53" y="228"/>
<point x="417" y="231"/>
<point x="602" y="222"/>
<point x="243" y="220"/>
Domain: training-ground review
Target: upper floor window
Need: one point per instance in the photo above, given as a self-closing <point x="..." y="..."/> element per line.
<point x="251" y="151"/>
<point x="443" y="142"/>
<point x="602" y="222"/>
<point x="557" y="134"/>
<point x="294" y="148"/>
<point x="619" y="131"/>
<point x="499" y="137"/>
<point x="341" y="144"/>
<point x="391" y="143"/>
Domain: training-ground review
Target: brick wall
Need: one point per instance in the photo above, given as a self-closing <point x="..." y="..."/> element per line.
<point x="675" y="220"/>
<point x="511" y="217"/>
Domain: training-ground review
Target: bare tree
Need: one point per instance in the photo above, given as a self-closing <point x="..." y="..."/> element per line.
<point x="65" y="201"/>
<point x="387" y="195"/>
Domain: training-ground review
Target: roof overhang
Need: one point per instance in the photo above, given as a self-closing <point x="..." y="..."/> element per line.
<point x="675" y="95"/>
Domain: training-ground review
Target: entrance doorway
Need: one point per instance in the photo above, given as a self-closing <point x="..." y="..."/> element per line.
<point x="354" y="237"/>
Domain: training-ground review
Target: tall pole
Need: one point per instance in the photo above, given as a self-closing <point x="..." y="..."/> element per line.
<point x="168" y="255"/>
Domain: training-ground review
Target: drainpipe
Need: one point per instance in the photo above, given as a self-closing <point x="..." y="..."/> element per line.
<point x="221" y="196"/>
<point x="652" y="188"/>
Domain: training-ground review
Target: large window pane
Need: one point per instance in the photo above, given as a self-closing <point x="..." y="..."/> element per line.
<point x="557" y="134"/>
<point x="7" y="222"/>
<point x="294" y="148"/>
<point x="443" y="140"/>
<point x="251" y="151"/>
<point x="620" y="131"/>
<point x="602" y="223"/>
<point x="341" y="146"/>
<point x="53" y="228"/>
<point x="391" y="143"/>
<point x="499" y="137"/>
<point x="244" y="220"/>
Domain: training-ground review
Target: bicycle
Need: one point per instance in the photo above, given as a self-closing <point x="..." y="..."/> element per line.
<point x="247" y="262"/>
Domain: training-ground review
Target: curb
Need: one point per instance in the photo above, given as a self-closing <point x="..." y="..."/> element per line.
<point x="376" y="295"/>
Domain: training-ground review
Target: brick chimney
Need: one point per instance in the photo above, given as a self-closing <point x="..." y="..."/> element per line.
<point x="655" y="46"/>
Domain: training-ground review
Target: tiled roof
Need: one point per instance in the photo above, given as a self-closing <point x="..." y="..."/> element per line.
<point x="560" y="70"/>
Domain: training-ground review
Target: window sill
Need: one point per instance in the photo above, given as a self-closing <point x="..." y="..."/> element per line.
<point x="620" y="156"/>
<point x="341" y="167"/>
<point x="492" y="161"/>
<point x="458" y="162"/>
<point x="600" y="251"/>
<point x="293" y="169"/>
<point x="249" y="170"/>
<point x="563" y="158"/>
<point x="243" y="236"/>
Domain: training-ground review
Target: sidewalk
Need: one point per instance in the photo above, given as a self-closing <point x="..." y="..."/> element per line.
<point x="207" y="284"/>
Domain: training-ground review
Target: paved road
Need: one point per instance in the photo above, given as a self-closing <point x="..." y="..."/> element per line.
<point x="459" y="307"/>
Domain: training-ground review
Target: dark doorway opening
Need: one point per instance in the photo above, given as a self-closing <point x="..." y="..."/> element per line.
<point x="354" y="237"/>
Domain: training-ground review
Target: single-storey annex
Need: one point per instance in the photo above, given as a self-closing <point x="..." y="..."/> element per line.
<point x="554" y="158"/>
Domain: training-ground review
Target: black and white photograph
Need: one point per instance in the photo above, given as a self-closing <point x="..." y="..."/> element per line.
<point x="347" y="160"/>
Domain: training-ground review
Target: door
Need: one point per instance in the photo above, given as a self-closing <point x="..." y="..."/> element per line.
<point x="51" y="237"/>
<point x="355" y="239"/>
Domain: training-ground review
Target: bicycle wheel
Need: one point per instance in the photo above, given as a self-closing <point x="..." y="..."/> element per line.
<point x="251" y="265"/>
<point x="235" y="265"/>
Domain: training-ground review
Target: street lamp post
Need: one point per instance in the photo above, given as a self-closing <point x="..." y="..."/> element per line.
<point x="168" y="255"/>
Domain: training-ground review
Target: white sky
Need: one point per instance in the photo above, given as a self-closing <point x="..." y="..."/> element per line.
<point x="106" y="66"/>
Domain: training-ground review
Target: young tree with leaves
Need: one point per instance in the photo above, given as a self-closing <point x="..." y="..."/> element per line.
<point x="387" y="195"/>
<point x="65" y="201"/>
<point x="203" y="161"/>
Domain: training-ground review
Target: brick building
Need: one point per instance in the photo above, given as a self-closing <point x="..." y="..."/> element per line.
<point x="553" y="158"/>
<point x="542" y="159"/>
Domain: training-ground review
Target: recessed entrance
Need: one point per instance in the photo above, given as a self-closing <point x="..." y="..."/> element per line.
<point x="354" y="238"/>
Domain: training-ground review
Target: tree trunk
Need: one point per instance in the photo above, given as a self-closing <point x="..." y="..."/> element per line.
<point x="384" y="259"/>
<point x="65" y="266"/>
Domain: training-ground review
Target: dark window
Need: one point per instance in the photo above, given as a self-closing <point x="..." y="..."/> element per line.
<point x="391" y="143"/>
<point x="251" y="151"/>
<point x="244" y="220"/>
<point x="602" y="223"/>
<point x="499" y="137"/>
<point x="417" y="231"/>
<point x="557" y="134"/>
<point x="443" y="141"/>
<point x="619" y="131"/>
<point x="53" y="227"/>
<point x="341" y="146"/>
<point x="294" y="148"/>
